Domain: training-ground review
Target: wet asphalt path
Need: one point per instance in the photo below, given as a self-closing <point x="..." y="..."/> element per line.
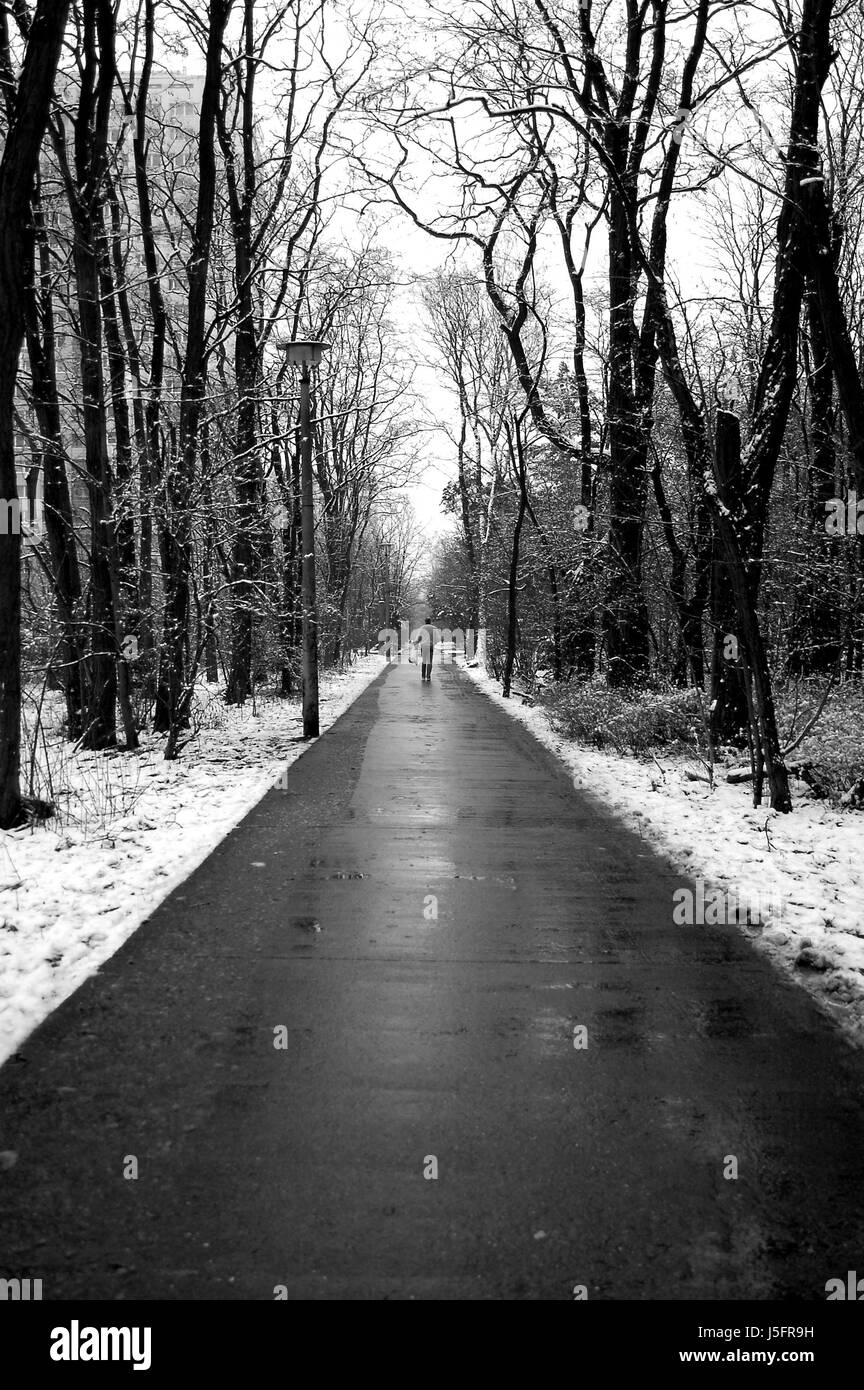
<point x="411" y="1037"/>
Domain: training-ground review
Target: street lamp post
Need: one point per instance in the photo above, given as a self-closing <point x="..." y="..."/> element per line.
<point x="306" y="354"/>
<point x="386" y="548"/>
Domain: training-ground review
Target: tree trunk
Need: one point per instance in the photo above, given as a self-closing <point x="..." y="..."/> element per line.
<point x="514" y="439"/>
<point x="755" y="657"/>
<point x="18" y="169"/>
<point x="175" y="682"/>
<point x="57" y="501"/>
<point x="816" y="638"/>
<point x="151" y="457"/>
<point x="625" y="615"/>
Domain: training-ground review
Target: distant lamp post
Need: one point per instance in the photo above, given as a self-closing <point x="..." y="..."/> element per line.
<point x="387" y="548"/>
<point x="306" y="354"/>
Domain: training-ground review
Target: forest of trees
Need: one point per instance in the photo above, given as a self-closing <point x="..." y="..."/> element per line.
<point x="651" y="480"/>
<point x="177" y="209"/>
<point x="656" y="482"/>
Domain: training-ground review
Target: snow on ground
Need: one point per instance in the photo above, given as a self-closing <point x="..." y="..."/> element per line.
<point x="803" y="872"/>
<point x="130" y="828"/>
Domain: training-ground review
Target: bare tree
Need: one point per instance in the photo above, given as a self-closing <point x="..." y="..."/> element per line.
<point x="28" y="105"/>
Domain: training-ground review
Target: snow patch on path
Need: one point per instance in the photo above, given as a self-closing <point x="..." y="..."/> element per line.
<point x="811" y="861"/>
<point x="132" y="827"/>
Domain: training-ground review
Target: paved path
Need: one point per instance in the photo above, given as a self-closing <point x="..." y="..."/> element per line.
<point x="410" y="1037"/>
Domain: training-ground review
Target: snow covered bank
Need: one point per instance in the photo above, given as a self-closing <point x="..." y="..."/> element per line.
<point x="130" y="828"/>
<point x="808" y="867"/>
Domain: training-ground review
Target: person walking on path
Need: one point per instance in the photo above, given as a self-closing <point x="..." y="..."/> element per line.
<point x="425" y="640"/>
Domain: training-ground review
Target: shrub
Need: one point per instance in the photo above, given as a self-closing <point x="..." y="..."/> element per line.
<point x="634" y="720"/>
<point x="831" y="758"/>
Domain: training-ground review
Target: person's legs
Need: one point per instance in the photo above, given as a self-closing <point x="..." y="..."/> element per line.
<point x="426" y="649"/>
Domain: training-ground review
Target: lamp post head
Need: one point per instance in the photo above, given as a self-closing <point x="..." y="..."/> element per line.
<point x="303" y="352"/>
